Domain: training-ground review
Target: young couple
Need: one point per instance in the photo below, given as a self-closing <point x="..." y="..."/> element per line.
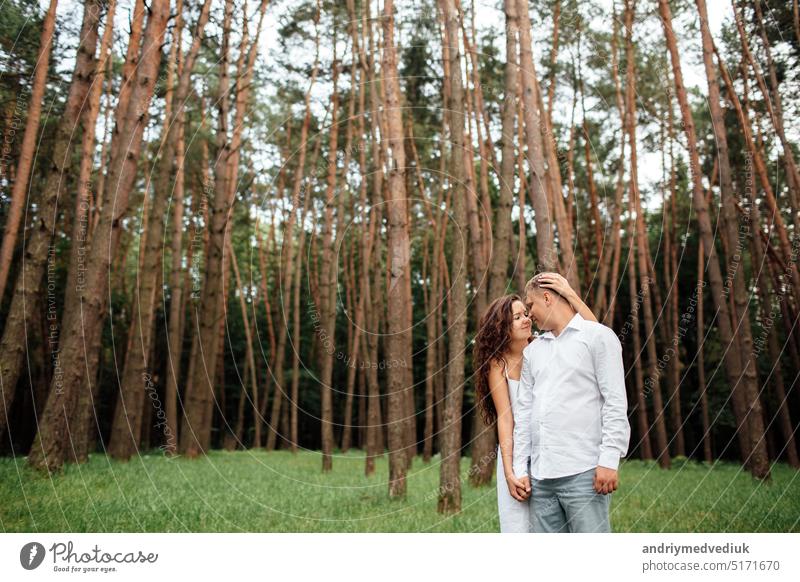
<point x="560" y="405"/>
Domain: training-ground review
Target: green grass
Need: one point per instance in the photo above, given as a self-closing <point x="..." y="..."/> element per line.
<point x="278" y="492"/>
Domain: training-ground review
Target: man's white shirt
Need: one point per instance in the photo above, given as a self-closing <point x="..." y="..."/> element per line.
<point x="573" y="411"/>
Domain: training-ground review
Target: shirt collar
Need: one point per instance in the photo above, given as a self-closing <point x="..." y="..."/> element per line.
<point x="575" y="323"/>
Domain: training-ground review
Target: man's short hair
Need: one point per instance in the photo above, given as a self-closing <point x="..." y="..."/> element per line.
<point x="535" y="283"/>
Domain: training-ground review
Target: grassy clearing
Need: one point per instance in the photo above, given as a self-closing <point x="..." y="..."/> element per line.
<point x="255" y="491"/>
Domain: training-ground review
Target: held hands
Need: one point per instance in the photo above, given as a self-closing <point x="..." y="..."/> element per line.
<point x="520" y="489"/>
<point x="605" y="480"/>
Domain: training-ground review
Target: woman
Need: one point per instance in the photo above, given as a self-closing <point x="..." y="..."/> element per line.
<point x="504" y="332"/>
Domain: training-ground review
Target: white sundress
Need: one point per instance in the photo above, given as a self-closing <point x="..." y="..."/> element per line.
<point x="514" y="515"/>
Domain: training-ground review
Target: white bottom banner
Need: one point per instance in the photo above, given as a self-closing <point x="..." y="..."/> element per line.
<point x="406" y="557"/>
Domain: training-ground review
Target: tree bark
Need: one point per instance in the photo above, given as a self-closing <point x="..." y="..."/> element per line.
<point x="545" y="249"/>
<point x="701" y="369"/>
<point x="250" y="369"/>
<point x="177" y="276"/>
<point x="450" y="479"/>
<point x="25" y="162"/>
<point x="376" y="303"/>
<point x="127" y="425"/>
<point x="354" y="282"/>
<point x="643" y="424"/>
<point x="483" y="437"/>
<point x="196" y="425"/>
<point x="39" y="255"/>
<point x="398" y="258"/>
<point x="82" y="231"/>
<point x="82" y="319"/>
<point x="735" y="360"/>
<point x="773" y="105"/>
<point x="642" y="245"/>
<point x="768" y="328"/>
<point x="671" y="277"/>
<point x="295" y="387"/>
<point x="606" y="299"/>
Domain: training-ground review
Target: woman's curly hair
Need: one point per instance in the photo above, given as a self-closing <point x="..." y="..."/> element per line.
<point x="491" y="343"/>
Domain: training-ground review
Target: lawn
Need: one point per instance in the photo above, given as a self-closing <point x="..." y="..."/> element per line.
<point x="256" y="491"/>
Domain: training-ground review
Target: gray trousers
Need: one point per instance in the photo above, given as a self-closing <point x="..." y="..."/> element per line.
<point x="569" y="505"/>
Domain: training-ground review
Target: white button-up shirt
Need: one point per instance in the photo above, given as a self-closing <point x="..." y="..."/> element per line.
<point x="572" y="412"/>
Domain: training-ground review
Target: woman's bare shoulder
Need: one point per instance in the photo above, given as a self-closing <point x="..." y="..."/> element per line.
<point x="495" y="366"/>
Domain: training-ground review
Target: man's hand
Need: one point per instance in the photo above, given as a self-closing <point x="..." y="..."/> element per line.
<point x="525" y="490"/>
<point x="520" y="489"/>
<point x="605" y="480"/>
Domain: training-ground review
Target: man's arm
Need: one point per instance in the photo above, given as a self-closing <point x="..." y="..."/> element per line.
<point x="610" y="373"/>
<point x="522" y="416"/>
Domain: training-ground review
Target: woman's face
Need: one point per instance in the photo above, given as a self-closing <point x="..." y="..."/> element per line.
<point x="520" y="322"/>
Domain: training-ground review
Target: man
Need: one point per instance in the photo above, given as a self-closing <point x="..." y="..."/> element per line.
<point x="575" y="424"/>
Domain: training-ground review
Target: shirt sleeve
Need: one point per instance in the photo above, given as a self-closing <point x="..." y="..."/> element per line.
<point x="522" y="419"/>
<point x="610" y="373"/>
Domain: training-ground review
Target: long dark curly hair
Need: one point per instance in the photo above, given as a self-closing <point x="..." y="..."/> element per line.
<point x="491" y="343"/>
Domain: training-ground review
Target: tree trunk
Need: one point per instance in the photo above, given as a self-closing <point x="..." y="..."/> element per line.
<point x="39" y="256"/>
<point x="749" y="419"/>
<point x="701" y="369"/>
<point x="25" y="162"/>
<point x="327" y="290"/>
<point x="643" y="247"/>
<point x="545" y="249"/>
<point x="127" y="424"/>
<point x="295" y="387"/>
<point x="483" y="438"/>
<point x="196" y="426"/>
<point x="177" y="276"/>
<point x="643" y="423"/>
<point x="82" y="319"/>
<point x="355" y="301"/>
<point x="398" y="258"/>
<point x="262" y="406"/>
<point x="671" y="310"/>
<point x="87" y="423"/>
<point x="774" y="352"/>
<point x="450" y="479"/>
<point x="522" y="237"/>
<point x="376" y="302"/>
<point x="249" y="354"/>
<point x="731" y="221"/>
<point x="773" y="106"/>
<point x="606" y="299"/>
<point x="553" y="176"/>
<point x="503" y="231"/>
<point x="431" y="299"/>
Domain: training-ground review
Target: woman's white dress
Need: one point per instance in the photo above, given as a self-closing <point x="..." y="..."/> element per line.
<point x="514" y="515"/>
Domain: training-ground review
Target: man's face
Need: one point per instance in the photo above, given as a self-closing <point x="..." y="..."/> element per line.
<point x="538" y="303"/>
